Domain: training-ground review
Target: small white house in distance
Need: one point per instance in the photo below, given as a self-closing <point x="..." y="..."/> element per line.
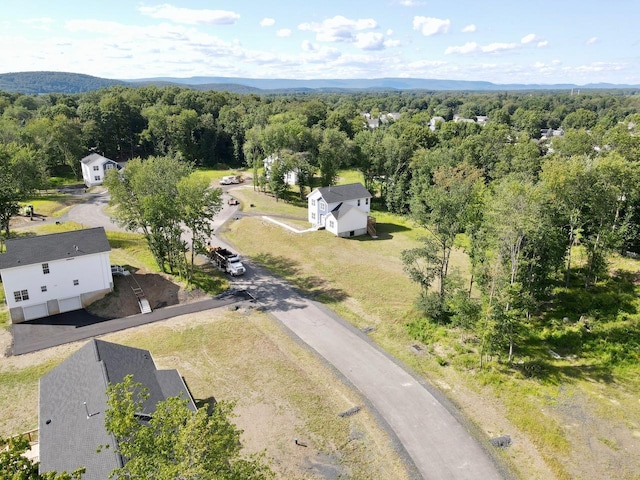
<point x="290" y="178"/>
<point x="49" y="274"/>
<point x="94" y="168"/>
<point x="342" y="209"/>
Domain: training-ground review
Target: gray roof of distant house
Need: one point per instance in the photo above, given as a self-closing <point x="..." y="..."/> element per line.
<point x="71" y="433"/>
<point x="47" y="248"/>
<point x="343" y="193"/>
<point x="95" y="156"/>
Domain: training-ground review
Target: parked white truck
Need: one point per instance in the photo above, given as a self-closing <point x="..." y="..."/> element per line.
<point x="226" y="260"/>
<point x="231" y="179"/>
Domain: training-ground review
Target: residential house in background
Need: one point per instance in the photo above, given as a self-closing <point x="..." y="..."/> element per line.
<point x="49" y="274"/>
<point x="290" y="177"/>
<point x="94" y="168"/>
<point x="73" y="401"/>
<point x="342" y="209"/>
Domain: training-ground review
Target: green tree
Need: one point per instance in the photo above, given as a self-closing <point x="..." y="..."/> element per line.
<point x="15" y="466"/>
<point x="199" y="203"/>
<point x="145" y="197"/>
<point x="22" y="171"/>
<point x="445" y="203"/>
<point x="177" y="442"/>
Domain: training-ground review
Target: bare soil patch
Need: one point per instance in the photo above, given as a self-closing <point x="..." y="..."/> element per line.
<point x="159" y="289"/>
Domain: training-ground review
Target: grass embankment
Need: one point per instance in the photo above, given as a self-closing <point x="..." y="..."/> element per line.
<point x="569" y="400"/>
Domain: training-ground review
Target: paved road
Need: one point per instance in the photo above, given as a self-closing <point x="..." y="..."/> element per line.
<point x="437" y="443"/>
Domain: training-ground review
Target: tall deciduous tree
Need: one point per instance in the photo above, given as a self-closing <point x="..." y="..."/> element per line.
<point x="199" y="203"/>
<point x="146" y="198"/>
<point x="22" y="171"/>
<point x="177" y="443"/>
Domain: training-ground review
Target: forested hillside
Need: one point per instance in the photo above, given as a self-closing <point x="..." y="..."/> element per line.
<point x="52" y="82"/>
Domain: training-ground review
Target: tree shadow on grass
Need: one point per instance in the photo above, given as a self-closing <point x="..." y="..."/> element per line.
<point x="309" y="285"/>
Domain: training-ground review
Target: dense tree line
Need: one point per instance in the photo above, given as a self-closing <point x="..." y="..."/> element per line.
<point x="526" y="177"/>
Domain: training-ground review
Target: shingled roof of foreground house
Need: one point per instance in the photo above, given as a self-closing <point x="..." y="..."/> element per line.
<point x="73" y="402"/>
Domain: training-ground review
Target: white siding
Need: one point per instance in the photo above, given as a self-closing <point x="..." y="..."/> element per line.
<point x="93" y="273"/>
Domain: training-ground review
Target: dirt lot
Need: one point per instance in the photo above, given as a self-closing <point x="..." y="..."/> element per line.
<point x="159" y="289"/>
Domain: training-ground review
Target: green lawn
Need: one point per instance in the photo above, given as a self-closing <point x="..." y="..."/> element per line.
<point x="362" y="279"/>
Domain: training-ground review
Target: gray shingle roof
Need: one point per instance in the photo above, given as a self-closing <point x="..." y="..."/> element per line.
<point x="94" y="156"/>
<point x="70" y="433"/>
<point x="343" y="193"/>
<point x="46" y="248"/>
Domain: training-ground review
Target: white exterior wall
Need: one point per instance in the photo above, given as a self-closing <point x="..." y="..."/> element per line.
<point x="93" y="273"/>
<point x="315" y="203"/>
<point x="353" y="221"/>
<point x="89" y="174"/>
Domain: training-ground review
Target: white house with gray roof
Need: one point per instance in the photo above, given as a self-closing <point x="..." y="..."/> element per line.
<point x="95" y="167"/>
<point x="49" y="274"/>
<point x="73" y="401"/>
<point x="342" y="209"/>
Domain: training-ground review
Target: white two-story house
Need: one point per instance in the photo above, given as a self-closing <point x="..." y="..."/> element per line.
<point x="342" y="209"/>
<point x="94" y="168"/>
<point x="49" y="274"/>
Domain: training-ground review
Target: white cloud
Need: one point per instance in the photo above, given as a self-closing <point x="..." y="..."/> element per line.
<point x="468" y="47"/>
<point x="190" y="16"/>
<point x="411" y="3"/>
<point x="370" y="41"/>
<point x="498" y="47"/>
<point x="431" y="26"/>
<point x="338" y="29"/>
<point x="473" y="47"/>
<point x="532" y="37"/>
<point x="469" y="28"/>
<point x="267" y="22"/>
<point x="543" y="43"/>
<point x="283" y="33"/>
<point x="307" y="46"/>
<point x="591" y="41"/>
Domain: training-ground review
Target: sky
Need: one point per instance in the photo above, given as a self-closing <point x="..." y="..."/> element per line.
<point x="499" y="41"/>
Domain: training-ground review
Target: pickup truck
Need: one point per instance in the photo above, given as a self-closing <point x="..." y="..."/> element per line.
<point x="226" y="260"/>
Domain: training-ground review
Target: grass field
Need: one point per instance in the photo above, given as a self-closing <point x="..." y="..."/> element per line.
<point x="570" y="417"/>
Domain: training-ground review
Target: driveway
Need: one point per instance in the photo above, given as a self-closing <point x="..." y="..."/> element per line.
<point x="424" y="424"/>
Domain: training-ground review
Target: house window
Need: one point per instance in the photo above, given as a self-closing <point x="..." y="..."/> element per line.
<point x="322" y="206"/>
<point x="313" y="202"/>
<point x="313" y="216"/>
<point x="76" y="282"/>
<point x="366" y="201"/>
<point x="96" y="168"/>
<point x="97" y="178"/>
<point x="358" y="202"/>
<point x="43" y="288"/>
<point x="109" y="166"/>
<point x="45" y="268"/>
<point x="20" y="295"/>
<point x="331" y="224"/>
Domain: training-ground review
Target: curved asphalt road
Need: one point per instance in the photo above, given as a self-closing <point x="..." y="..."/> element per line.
<point x="437" y="443"/>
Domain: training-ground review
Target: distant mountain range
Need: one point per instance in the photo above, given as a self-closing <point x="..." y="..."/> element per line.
<point x="64" y="82"/>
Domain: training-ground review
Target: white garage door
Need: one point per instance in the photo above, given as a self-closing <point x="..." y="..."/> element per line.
<point x="69" y="304"/>
<point x="35" y="311"/>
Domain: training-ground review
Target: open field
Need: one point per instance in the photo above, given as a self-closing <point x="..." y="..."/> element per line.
<point x="571" y="419"/>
